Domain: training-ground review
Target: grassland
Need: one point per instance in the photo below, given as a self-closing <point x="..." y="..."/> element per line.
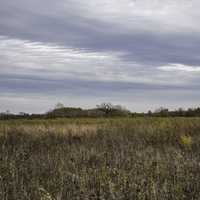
<point x="119" y="158"/>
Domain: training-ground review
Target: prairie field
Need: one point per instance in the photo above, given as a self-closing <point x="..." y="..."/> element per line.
<point x="100" y="159"/>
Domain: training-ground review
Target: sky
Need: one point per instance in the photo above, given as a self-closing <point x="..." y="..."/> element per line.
<point x="141" y="54"/>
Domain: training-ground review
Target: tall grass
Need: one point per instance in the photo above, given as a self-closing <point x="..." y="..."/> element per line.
<point x="121" y="158"/>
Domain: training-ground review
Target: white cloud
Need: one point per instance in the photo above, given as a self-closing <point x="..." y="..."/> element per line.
<point x="179" y="68"/>
<point x="151" y="15"/>
<point x="21" y="57"/>
<point x="25" y="57"/>
<point x="51" y="62"/>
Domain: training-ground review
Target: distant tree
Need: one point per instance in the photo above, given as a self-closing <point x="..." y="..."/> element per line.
<point x="149" y="113"/>
<point x="59" y="106"/>
<point x="113" y="110"/>
<point x="23" y="114"/>
<point x="180" y="112"/>
<point x="8" y="112"/>
<point x="163" y="112"/>
<point x="105" y="107"/>
<point x="190" y="112"/>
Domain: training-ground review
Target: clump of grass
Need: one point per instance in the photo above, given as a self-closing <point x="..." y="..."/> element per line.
<point x="186" y="140"/>
<point x="44" y="195"/>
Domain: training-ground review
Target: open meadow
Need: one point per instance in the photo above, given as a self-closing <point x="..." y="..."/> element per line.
<point x="100" y="158"/>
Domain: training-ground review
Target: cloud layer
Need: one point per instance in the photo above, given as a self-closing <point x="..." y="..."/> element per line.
<point x="124" y="51"/>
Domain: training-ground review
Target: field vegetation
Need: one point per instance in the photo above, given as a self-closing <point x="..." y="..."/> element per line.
<point x="119" y="158"/>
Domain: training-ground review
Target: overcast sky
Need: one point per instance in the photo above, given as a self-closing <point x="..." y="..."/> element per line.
<point x="142" y="54"/>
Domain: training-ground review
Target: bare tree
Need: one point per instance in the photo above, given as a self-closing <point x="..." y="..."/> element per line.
<point x="105" y="107"/>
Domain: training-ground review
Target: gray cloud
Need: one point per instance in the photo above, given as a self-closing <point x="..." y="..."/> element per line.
<point x="100" y="50"/>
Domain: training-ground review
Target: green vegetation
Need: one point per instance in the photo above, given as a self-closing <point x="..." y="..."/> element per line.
<point x="102" y="110"/>
<point x="100" y="158"/>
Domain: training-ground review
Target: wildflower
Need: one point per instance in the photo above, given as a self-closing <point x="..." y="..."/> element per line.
<point x="186" y="140"/>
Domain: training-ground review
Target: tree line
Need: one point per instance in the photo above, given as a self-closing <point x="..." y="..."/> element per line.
<point x="102" y="110"/>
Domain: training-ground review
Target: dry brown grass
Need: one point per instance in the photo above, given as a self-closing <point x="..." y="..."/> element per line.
<point x="120" y="158"/>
